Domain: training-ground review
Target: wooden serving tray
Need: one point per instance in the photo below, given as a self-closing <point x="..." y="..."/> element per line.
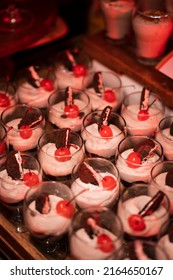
<point x="122" y="59"/>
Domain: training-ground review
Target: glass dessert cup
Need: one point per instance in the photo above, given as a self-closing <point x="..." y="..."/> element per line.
<point x="136" y="123"/>
<point x="141" y="250"/>
<point x="48" y="211"/>
<point x="104" y="146"/>
<point x="25" y="124"/>
<point x="68" y="114"/>
<point x="95" y="234"/>
<point x="165" y="238"/>
<point x="57" y="157"/>
<point x="7" y="94"/>
<point x="152" y="25"/>
<point x="135" y="157"/>
<point x="95" y="182"/>
<point x="165" y="136"/>
<point x="103" y="88"/>
<point x="34" y="85"/>
<point x="4" y="149"/>
<point x="21" y="172"/>
<point x="161" y="177"/>
<point x="118" y="17"/>
<point x="13" y="18"/>
<point x="143" y="209"/>
<point x="70" y="68"/>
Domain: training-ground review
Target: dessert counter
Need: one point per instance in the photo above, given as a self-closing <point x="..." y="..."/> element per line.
<point x="122" y="59"/>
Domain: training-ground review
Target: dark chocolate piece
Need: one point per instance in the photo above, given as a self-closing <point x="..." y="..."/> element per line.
<point x="86" y="175"/>
<point x="144" y="148"/>
<point x="69" y="96"/>
<point x="152" y="205"/>
<point x="144" y="99"/>
<point x="104" y="117"/>
<point x="64" y="140"/>
<point x="42" y="203"/>
<point x="12" y="166"/>
<point x="171" y="129"/>
<point x="169" y="178"/>
<point x="170" y="231"/>
<point x="98" y="82"/>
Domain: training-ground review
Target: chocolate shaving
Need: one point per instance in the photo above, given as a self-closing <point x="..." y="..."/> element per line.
<point x="42" y="203"/>
<point x="169" y="178"/>
<point x="63" y="141"/>
<point x="12" y="166"/>
<point x="145" y="148"/>
<point x="98" y="82"/>
<point x="33" y="81"/>
<point x="152" y="205"/>
<point x="30" y="118"/>
<point x="86" y="174"/>
<point x="170" y="231"/>
<point x="69" y="96"/>
<point x="104" y="117"/>
<point x="144" y="99"/>
<point x="171" y="129"/>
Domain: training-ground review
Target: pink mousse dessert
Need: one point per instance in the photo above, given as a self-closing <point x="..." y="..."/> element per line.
<point x="71" y="66"/>
<point x="68" y="107"/>
<point x="103" y="89"/>
<point x="35" y="86"/>
<point x="24" y="126"/>
<point x="59" y="151"/>
<point x="165" y="136"/>
<point x="142" y="112"/>
<point x="152" y="27"/>
<point x="143" y="214"/>
<point x="21" y="173"/>
<point x="95" y="182"/>
<point x="136" y="157"/>
<point x="95" y="235"/>
<point x="48" y="210"/>
<point x="102" y="131"/>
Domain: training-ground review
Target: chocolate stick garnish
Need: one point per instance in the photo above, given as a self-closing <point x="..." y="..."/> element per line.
<point x="69" y="96"/>
<point x="144" y="99"/>
<point x="104" y="118"/>
<point x="152" y="205"/>
<point x="98" y="83"/>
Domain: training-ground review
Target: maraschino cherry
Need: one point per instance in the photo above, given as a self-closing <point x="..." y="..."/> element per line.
<point x="143" y="115"/>
<point x="31" y="179"/>
<point x="136" y="222"/>
<point x="4" y="99"/>
<point x="109" y="183"/>
<point x="47" y="84"/>
<point x="109" y="96"/>
<point x="71" y="110"/>
<point x="105" y="243"/>
<point x="133" y="160"/>
<point x="79" y="70"/>
<point x="65" y="208"/>
<point x="105" y="131"/>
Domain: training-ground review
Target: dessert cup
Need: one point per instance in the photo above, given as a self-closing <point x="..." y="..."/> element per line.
<point x="70" y="67"/>
<point x="165" y="238"/>
<point x="59" y="165"/>
<point x="118" y="18"/>
<point x="161" y="177"/>
<point x="67" y="108"/>
<point x="7" y="94"/>
<point x="152" y="25"/>
<point x="142" y="125"/>
<point x="165" y="136"/>
<point x="95" y="182"/>
<point x="98" y="144"/>
<point x="104" y="88"/>
<point x="95" y="234"/>
<point x="25" y="124"/>
<point x="143" y="209"/>
<point x="21" y="172"/>
<point x="34" y="85"/>
<point x="135" y="157"/>
<point x="48" y="211"/>
<point x="141" y="250"/>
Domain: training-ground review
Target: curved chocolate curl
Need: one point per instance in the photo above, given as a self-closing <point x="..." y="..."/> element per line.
<point x="98" y="83"/>
<point x="104" y="117"/>
<point x="42" y="203"/>
<point x="144" y="99"/>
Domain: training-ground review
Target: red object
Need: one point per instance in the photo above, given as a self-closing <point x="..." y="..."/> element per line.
<point x="136" y="222"/>
<point x="109" y="183"/>
<point x="25" y="131"/>
<point x="62" y="154"/>
<point x="105" y="131"/>
<point x="71" y="111"/>
<point x="47" y="84"/>
<point x="65" y="208"/>
<point x="2" y="148"/>
<point x="133" y="160"/>
<point x="143" y="115"/>
<point x="30" y="179"/>
<point x="105" y="243"/>
<point x="109" y="95"/>
<point x="79" y="70"/>
<point x="4" y="100"/>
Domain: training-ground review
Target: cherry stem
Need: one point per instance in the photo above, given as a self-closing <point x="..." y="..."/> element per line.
<point x="79" y="193"/>
<point x="152" y="102"/>
<point x="152" y="204"/>
<point x="35" y="122"/>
